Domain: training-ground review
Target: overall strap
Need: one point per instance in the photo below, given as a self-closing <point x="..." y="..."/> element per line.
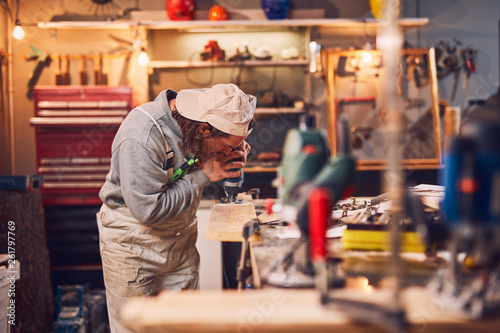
<point x="165" y="144"/>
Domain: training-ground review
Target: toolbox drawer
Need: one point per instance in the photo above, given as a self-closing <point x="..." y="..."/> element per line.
<point x="74" y="130"/>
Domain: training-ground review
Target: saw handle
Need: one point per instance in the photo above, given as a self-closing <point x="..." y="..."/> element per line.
<point x="320" y="208"/>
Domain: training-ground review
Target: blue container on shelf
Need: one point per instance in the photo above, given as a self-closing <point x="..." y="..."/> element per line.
<point x="276" y="9"/>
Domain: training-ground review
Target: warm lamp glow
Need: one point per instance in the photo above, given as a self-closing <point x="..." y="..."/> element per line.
<point x="367" y="57"/>
<point x="368" y="289"/>
<point x="143" y="58"/>
<point x="18" y="32"/>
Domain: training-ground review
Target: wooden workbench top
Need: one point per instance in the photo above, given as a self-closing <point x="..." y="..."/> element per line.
<point x="230" y="311"/>
<point x="285" y="310"/>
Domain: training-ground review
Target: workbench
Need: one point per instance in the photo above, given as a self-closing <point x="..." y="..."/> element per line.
<point x="273" y="309"/>
<point x="280" y="310"/>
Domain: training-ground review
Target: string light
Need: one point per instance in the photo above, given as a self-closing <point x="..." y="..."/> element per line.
<point x="18" y="32"/>
<point x="143" y="58"/>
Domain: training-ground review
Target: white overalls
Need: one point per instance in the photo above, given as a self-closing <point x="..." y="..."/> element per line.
<point x="141" y="259"/>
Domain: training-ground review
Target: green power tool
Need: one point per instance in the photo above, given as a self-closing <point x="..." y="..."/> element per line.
<point x="307" y="166"/>
<point x="304" y="154"/>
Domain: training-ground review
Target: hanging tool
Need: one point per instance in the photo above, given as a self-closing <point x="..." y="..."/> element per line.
<point x="83" y="70"/>
<point x="65" y="69"/>
<point x="360" y="134"/>
<point x="97" y="68"/>
<point x="125" y="75"/>
<point x="106" y="64"/>
<point x="342" y="67"/>
<point x="42" y="59"/>
<point x="415" y="70"/>
<point x="470" y="65"/>
<point x="448" y="58"/>
<point x="57" y="69"/>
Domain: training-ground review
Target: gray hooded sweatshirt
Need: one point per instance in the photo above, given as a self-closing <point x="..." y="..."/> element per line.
<point x="140" y="169"/>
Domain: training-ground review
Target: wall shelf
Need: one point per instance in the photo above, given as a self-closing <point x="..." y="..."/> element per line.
<point x="231" y="24"/>
<point x="180" y="50"/>
<point x="159" y="64"/>
<point x="275" y="111"/>
<point x="170" y="45"/>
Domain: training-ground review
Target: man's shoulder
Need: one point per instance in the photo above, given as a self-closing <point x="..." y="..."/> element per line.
<point x="136" y="125"/>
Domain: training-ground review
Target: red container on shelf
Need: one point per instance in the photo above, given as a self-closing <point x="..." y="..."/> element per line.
<point x="180" y="10"/>
<point x="218" y="13"/>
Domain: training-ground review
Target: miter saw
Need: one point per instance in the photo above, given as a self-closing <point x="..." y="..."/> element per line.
<point x="307" y="165"/>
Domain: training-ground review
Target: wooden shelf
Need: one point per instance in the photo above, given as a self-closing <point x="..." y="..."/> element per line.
<point x="231" y="24"/>
<point x="273" y="111"/>
<point x="165" y="64"/>
<point x="260" y="169"/>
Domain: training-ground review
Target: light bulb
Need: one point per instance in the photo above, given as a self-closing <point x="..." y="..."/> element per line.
<point x="143" y="58"/>
<point x="367" y="57"/>
<point x="18" y="32"/>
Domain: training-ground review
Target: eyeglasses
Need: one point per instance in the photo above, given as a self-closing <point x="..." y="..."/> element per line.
<point x="228" y="146"/>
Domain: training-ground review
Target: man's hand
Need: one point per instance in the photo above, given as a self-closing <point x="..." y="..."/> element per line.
<point x="245" y="148"/>
<point x="217" y="165"/>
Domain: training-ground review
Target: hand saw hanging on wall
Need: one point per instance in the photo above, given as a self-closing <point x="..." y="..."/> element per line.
<point x="42" y="59"/>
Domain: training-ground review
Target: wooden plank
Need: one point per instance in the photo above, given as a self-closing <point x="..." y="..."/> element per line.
<point x="287" y="310"/>
<point x="230" y="311"/>
<point x="227" y="220"/>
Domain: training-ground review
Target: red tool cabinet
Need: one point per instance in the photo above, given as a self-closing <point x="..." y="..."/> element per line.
<point x="74" y="129"/>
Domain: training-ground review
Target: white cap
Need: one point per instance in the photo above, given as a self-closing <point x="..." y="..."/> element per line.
<point x="224" y="106"/>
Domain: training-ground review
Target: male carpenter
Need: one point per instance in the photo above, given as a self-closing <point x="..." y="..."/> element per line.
<point x="148" y="225"/>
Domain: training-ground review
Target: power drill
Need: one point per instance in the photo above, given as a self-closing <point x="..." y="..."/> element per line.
<point x="233" y="186"/>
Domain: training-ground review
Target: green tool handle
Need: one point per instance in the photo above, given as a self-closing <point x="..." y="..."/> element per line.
<point x="338" y="176"/>
<point x="180" y="172"/>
